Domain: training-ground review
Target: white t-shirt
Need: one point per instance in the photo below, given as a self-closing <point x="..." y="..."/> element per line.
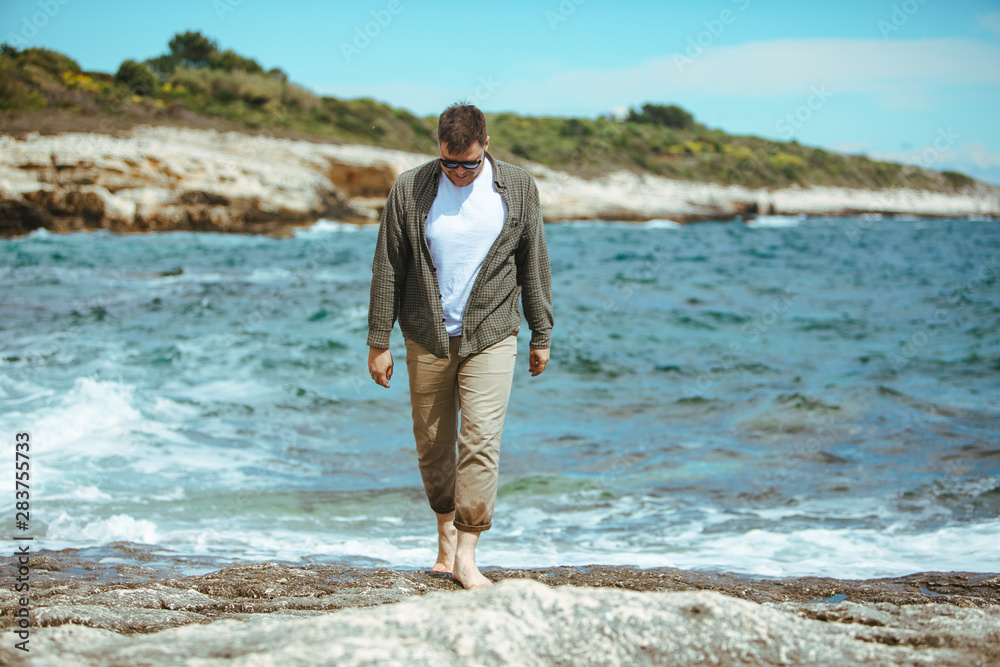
<point x="461" y="227"/>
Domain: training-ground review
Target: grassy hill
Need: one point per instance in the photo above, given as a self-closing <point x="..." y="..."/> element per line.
<point x="196" y="84"/>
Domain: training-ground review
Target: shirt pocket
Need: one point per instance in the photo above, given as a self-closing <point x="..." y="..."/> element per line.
<point x="509" y="236"/>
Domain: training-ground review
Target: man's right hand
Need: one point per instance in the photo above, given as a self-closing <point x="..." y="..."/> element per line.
<point x="380" y="365"/>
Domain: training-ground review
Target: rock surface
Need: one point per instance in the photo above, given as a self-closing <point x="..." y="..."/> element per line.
<point x="528" y="623"/>
<point x="99" y="611"/>
<point x="163" y="178"/>
<point x="168" y="178"/>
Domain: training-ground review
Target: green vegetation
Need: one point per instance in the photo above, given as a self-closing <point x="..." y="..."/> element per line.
<point x="667" y="116"/>
<point x="195" y="82"/>
<point x="694" y="152"/>
<point x="957" y="180"/>
<point x="137" y="77"/>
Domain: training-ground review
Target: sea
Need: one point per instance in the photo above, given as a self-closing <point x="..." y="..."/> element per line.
<point x="786" y="397"/>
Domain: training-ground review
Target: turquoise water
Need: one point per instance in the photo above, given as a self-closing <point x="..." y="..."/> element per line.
<point x="821" y="397"/>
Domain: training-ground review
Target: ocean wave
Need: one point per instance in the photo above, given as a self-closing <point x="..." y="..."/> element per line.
<point x="660" y="224"/>
<point x="93" y="418"/>
<point x="836" y="552"/>
<point x="844" y="553"/>
<point x="323" y="227"/>
<point x="117" y="528"/>
<point x="269" y="275"/>
<point x="775" y="221"/>
<point x="963" y="499"/>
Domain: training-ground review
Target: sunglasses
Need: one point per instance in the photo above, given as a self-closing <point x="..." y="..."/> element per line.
<point x="453" y="164"/>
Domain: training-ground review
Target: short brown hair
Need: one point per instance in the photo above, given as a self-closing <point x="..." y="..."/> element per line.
<point x="460" y="126"/>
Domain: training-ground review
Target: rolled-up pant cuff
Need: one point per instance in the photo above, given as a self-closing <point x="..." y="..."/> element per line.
<point x="465" y="528"/>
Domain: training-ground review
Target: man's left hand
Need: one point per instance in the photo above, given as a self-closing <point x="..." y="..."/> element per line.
<point x="538" y="359"/>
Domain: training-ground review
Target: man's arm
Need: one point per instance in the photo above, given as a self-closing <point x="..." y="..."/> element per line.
<point x="388" y="274"/>
<point x="535" y="277"/>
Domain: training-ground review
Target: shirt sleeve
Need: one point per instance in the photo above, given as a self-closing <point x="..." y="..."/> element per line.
<point x="534" y="274"/>
<point x="388" y="271"/>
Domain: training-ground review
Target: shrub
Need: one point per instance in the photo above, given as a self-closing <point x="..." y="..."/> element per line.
<point x="50" y="62"/>
<point x="738" y="153"/>
<point x="229" y="61"/>
<point x="957" y="180"/>
<point x="258" y="90"/>
<point x="14" y="91"/>
<point x="137" y="77"/>
<point x="785" y="160"/>
<point x="694" y="147"/>
<point x="192" y="48"/>
<point x="84" y="82"/>
<point x="667" y="116"/>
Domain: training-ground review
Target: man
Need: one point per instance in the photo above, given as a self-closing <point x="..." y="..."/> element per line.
<point x="461" y="238"/>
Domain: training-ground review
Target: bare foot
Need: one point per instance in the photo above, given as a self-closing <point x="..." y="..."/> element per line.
<point x="447" y="543"/>
<point x="470" y="578"/>
<point x="466" y="571"/>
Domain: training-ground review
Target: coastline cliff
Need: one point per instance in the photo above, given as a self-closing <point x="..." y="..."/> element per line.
<point x="159" y="178"/>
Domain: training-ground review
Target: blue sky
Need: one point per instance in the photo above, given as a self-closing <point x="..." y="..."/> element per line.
<point x="908" y="80"/>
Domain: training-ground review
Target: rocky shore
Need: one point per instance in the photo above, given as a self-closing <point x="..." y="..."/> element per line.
<point x="132" y="608"/>
<point x="169" y="178"/>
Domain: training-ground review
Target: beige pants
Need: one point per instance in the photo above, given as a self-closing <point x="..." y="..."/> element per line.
<point x="477" y="387"/>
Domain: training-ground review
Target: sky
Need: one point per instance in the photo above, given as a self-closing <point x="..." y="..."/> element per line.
<point x="914" y="81"/>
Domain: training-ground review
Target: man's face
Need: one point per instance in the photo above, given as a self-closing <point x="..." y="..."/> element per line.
<point x="461" y="176"/>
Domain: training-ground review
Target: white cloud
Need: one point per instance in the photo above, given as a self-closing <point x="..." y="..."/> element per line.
<point x="899" y="73"/>
<point x="847" y="65"/>
<point x="973" y="158"/>
<point x="976" y="160"/>
<point x="979" y="154"/>
<point x="991" y="22"/>
<point x="895" y="71"/>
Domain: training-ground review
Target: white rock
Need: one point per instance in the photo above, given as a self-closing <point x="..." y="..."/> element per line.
<point x="143" y="175"/>
<point x="525" y="623"/>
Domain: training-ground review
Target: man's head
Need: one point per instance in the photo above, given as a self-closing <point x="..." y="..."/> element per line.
<point x="462" y="138"/>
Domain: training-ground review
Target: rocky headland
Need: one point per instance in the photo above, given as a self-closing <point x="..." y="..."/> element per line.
<point x="160" y="178"/>
<point x="101" y="611"/>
